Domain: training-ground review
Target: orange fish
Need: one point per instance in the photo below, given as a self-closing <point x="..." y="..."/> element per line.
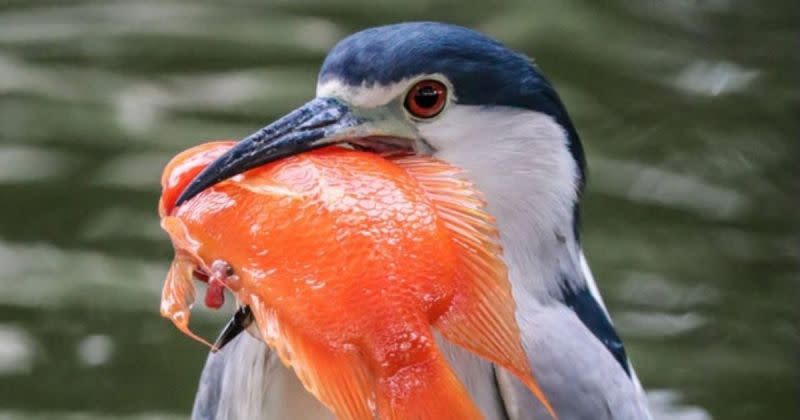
<point x="347" y="260"/>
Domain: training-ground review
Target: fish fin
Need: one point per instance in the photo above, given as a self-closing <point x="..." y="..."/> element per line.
<point x="481" y="318"/>
<point x="179" y="292"/>
<point x="437" y="393"/>
<point x="178" y="295"/>
<point x="338" y="379"/>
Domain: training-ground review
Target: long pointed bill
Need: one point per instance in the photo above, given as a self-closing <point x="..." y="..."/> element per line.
<point x="320" y="122"/>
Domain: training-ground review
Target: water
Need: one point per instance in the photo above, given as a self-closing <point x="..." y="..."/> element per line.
<point x="687" y="110"/>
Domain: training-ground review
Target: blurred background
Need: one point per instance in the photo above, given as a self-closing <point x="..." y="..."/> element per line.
<point x="688" y="111"/>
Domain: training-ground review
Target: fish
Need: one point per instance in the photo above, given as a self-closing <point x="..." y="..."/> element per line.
<point x="349" y="261"/>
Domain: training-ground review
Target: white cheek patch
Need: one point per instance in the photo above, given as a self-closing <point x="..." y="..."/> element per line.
<point x="520" y="159"/>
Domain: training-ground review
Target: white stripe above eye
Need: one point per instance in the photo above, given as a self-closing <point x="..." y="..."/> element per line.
<point x="373" y="95"/>
<point x="365" y="96"/>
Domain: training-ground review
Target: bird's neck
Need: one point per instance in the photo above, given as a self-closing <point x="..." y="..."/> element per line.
<point x="522" y="164"/>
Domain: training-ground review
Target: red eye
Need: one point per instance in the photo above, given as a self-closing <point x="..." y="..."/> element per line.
<point x="426" y="99"/>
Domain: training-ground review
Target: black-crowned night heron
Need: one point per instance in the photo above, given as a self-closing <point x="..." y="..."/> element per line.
<point x="465" y="98"/>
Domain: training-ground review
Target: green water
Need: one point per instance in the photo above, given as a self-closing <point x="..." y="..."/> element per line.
<point x="688" y="111"/>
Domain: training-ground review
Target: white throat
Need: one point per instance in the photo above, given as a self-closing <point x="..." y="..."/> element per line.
<point x="520" y="159"/>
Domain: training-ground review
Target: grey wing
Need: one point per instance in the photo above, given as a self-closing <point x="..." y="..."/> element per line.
<point x="232" y="384"/>
<point x="245" y="380"/>
<point x="209" y="390"/>
<point x="579" y="376"/>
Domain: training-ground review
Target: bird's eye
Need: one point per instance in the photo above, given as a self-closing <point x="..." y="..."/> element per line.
<point x="426" y="99"/>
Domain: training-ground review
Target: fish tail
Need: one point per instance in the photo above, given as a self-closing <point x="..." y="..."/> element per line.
<point x="373" y="381"/>
<point x="425" y="391"/>
<point x="340" y="380"/>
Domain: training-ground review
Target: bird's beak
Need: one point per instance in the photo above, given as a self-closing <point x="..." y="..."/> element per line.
<point x="320" y="122"/>
<point x="239" y="322"/>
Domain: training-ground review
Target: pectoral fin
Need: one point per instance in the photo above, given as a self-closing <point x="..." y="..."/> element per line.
<point x="481" y="318"/>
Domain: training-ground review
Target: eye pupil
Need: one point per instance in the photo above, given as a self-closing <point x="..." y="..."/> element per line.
<point x="426" y="99"/>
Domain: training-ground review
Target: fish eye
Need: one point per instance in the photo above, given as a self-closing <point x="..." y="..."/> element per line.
<point x="426" y="99"/>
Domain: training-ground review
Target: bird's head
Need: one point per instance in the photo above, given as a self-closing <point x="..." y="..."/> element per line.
<point x="418" y="87"/>
<point x="445" y="90"/>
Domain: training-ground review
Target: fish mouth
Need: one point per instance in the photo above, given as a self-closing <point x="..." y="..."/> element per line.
<point x="323" y="121"/>
<point x="242" y="317"/>
<point x="200" y="274"/>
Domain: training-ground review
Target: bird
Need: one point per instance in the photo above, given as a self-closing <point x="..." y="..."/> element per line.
<point x="458" y="95"/>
